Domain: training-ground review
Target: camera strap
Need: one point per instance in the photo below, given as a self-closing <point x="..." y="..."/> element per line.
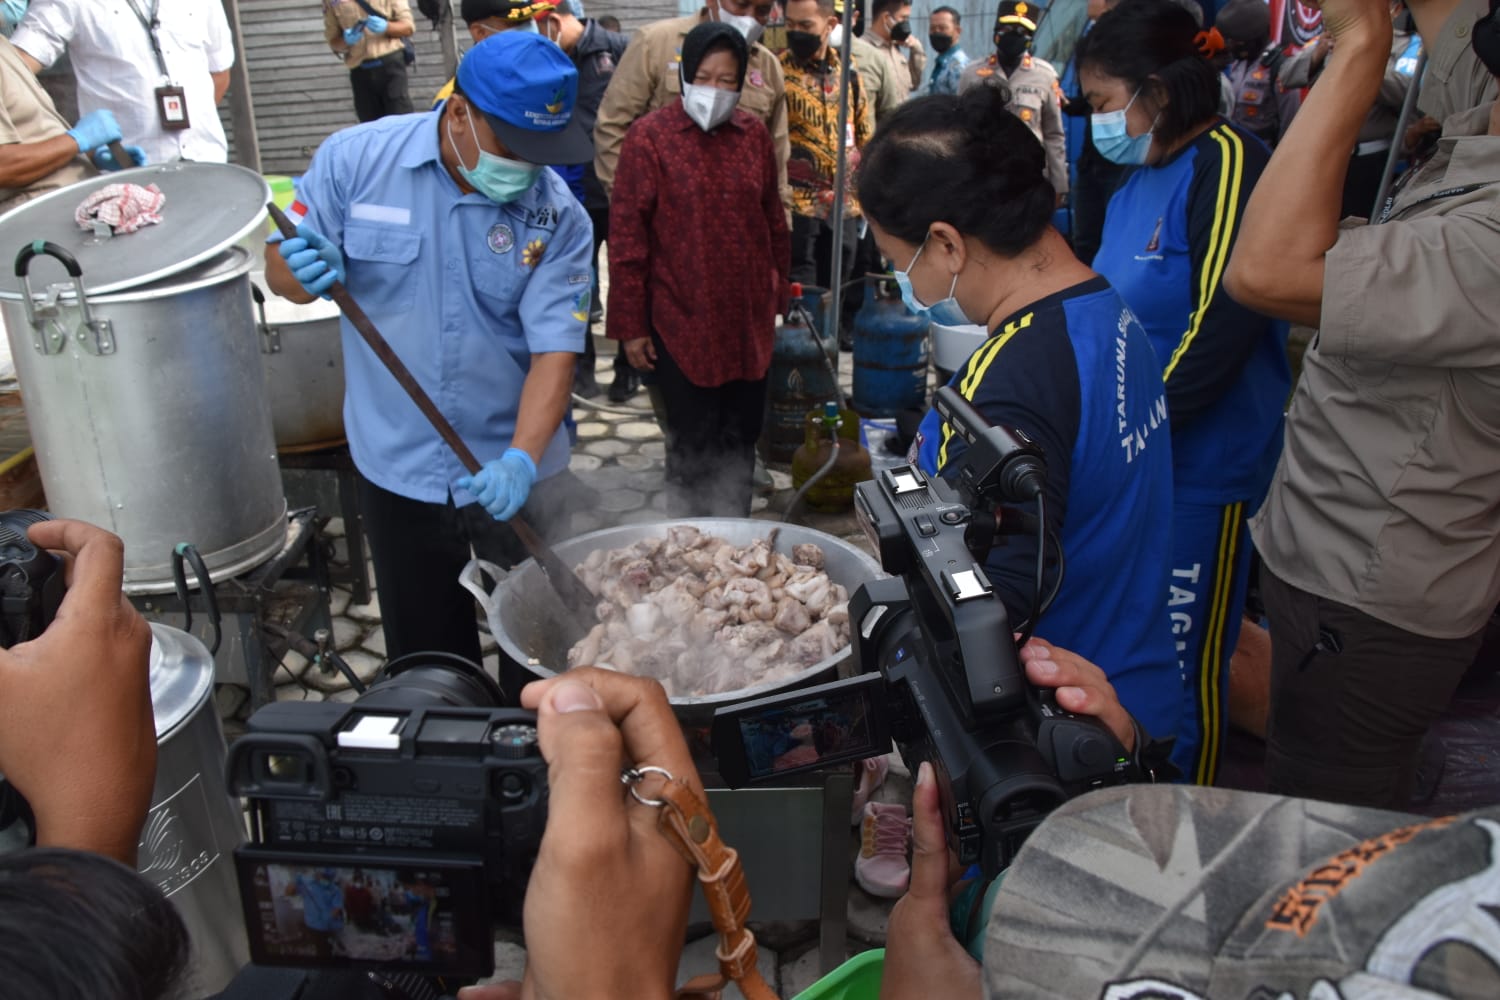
<point x="687" y="822"/>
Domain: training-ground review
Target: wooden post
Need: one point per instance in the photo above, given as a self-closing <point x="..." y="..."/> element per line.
<point x="241" y="106"/>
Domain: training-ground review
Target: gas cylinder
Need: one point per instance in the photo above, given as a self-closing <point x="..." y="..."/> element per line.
<point x="818" y="301"/>
<point x="802" y="376"/>
<point x="834" y="491"/>
<point x="890" y="352"/>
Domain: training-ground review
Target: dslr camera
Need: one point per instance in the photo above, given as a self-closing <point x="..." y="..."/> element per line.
<point x="391" y="832"/>
<point x="936" y="664"/>
<point x="31" y="588"/>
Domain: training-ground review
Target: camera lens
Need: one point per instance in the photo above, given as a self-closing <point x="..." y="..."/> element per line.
<point x="435" y="678"/>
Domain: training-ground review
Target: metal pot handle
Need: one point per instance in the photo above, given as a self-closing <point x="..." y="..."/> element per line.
<point x="44" y="313"/>
<point x="470" y="580"/>
<point x="270" y="336"/>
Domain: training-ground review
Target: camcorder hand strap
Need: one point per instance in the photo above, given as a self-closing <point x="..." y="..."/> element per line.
<point x="689" y="824"/>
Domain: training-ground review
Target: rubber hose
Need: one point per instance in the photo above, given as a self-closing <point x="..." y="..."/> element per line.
<point x="827" y="467"/>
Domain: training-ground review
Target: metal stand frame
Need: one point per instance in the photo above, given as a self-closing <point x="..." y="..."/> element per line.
<point x="340" y="463"/>
<point x="290" y="589"/>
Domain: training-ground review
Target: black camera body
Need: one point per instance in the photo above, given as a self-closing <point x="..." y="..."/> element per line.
<point x="937" y="664"/>
<point x="403" y="827"/>
<point x="31" y="589"/>
<point x="31" y="579"/>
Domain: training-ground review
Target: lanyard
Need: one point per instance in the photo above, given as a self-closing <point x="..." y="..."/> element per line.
<point x="1389" y="213"/>
<point x="151" y="24"/>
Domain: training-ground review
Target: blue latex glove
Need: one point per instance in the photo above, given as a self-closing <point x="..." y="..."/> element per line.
<point x="95" y="129"/>
<point x="315" y="262"/>
<point x="105" y="160"/>
<point x="503" y="485"/>
<point x="376" y="25"/>
<point x="351" y="35"/>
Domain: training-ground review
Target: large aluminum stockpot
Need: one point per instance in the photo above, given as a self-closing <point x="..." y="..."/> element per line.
<point x="303" y="357"/>
<point x="141" y="369"/>
<point x="165" y="436"/>
<point x="187" y="844"/>
<point x="527" y="617"/>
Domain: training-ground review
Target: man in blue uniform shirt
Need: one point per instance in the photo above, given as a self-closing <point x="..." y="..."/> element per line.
<point x="474" y="263"/>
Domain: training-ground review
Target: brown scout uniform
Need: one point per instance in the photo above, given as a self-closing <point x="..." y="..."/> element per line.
<point x="648" y="78"/>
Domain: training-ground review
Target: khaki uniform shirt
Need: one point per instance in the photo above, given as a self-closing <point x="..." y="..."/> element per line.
<point x="341" y="14"/>
<point x="1036" y="99"/>
<point x="906" y="61"/>
<point x="1455" y="80"/>
<point x="1387" y="496"/>
<point x="28" y="115"/>
<point x="881" y="87"/>
<point x="648" y="78"/>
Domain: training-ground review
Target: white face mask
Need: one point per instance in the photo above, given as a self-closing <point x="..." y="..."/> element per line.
<point x="744" y="24"/>
<point x="708" y="106"/>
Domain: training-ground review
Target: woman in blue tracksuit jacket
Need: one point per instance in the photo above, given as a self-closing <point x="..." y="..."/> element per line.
<point x="956" y="194"/>
<point x="1168" y="233"/>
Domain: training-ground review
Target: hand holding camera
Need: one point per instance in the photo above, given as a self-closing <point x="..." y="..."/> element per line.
<point x="89" y="783"/>
<point x="607" y="883"/>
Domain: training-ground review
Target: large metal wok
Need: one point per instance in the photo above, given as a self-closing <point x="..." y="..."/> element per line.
<point x="530" y="626"/>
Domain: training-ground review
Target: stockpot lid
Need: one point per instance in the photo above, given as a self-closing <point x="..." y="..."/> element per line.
<point x="182" y="677"/>
<point x="209" y="207"/>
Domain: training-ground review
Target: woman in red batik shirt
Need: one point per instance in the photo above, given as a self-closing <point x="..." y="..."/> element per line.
<point x="699" y="255"/>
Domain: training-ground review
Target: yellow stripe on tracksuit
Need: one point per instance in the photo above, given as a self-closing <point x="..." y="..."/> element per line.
<point x="975" y="370"/>
<point x="1226" y="220"/>
<point x="1211" y="658"/>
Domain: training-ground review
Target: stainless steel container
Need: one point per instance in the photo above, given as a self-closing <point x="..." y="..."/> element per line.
<point x="304" y="363"/>
<point x="528" y="614"/>
<point x="187" y="845"/>
<point x="141" y="368"/>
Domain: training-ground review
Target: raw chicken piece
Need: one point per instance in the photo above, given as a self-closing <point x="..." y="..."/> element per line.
<point x="685" y="536"/>
<point x="815" y="644"/>
<point x="791" y="616"/>
<point x="677" y="602"/>
<point x="807" y="554"/>
<point x="642" y="619"/>
<point x="586" y="651"/>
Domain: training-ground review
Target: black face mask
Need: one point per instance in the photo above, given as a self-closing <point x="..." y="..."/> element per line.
<point x="1011" y="46"/>
<point x="803" y="44"/>
<point x="900" y="31"/>
<point x="940" y="43"/>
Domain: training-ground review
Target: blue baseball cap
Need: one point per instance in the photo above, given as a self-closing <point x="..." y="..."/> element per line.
<point x="526" y="88"/>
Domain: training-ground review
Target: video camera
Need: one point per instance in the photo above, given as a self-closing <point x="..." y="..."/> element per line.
<point x="936" y="664"/>
<point x="392" y="831"/>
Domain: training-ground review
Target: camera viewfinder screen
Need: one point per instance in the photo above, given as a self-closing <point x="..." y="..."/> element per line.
<point x="806" y="733"/>
<point x="318" y="914"/>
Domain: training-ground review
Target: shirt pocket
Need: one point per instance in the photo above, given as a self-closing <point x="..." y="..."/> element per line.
<point x="183" y="28"/>
<point x="758" y="101"/>
<point x="384" y="256"/>
<point x="499" y="279"/>
<point x="1027" y="106"/>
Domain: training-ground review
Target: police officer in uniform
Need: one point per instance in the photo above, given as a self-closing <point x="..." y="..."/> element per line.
<point x="1261" y="106"/>
<point x="1035" y="97"/>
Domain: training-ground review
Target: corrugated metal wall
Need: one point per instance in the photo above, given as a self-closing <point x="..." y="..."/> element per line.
<point x="301" y="91"/>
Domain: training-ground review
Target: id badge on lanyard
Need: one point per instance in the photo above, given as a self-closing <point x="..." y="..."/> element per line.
<point x="171" y="100"/>
<point x="171" y="108"/>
